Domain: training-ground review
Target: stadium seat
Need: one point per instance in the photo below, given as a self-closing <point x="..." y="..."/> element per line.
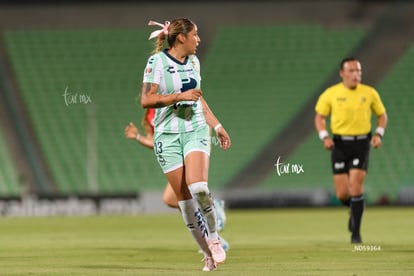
<point x="9" y="180"/>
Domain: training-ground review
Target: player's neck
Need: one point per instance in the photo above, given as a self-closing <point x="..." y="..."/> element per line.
<point x="177" y="54"/>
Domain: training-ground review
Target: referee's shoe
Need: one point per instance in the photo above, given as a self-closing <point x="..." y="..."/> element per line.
<point x="356" y="238"/>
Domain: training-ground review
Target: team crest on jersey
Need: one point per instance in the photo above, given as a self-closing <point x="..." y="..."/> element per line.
<point x="148" y="70"/>
<point x="195" y="64"/>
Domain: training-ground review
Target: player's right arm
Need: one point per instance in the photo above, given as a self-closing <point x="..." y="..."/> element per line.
<point x="151" y="99"/>
<point x="322" y="109"/>
<point x="320" y="125"/>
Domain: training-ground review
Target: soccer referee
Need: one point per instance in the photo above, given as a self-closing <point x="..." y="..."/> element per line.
<point x="350" y="105"/>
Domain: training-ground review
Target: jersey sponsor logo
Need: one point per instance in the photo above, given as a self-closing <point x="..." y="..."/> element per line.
<point x="184" y="70"/>
<point x="188" y="84"/>
<point x="170" y="69"/>
<point x="148" y="70"/>
<point x="341" y="99"/>
<point x="203" y="141"/>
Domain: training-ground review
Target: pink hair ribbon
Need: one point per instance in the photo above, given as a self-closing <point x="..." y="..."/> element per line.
<point x="163" y="30"/>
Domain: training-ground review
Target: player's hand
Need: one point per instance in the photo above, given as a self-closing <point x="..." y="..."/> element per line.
<point x="131" y="131"/>
<point x="191" y="95"/>
<point x="224" y="138"/>
<point x="376" y="141"/>
<point x="328" y="143"/>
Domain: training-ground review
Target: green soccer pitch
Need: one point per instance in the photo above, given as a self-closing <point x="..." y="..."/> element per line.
<point x="263" y="242"/>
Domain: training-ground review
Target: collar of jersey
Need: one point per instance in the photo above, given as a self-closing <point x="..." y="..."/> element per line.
<point x="174" y="59"/>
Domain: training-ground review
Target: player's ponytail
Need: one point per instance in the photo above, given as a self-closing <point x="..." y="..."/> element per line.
<point x="158" y="45"/>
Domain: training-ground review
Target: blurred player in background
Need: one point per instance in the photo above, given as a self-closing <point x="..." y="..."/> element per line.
<point x="169" y="198"/>
<point x="350" y="105"/>
<point x="171" y="85"/>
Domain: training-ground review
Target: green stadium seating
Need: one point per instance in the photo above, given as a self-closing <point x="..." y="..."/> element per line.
<point x="84" y="142"/>
<point x="391" y="166"/>
<point x="9" y="180"/>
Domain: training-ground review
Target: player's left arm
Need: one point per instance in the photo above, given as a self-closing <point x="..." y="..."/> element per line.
<point x="131" y="132"/>
<point x="376" y="139"/>
<point x="213" y="122"/>
<point x="379" y="109"/>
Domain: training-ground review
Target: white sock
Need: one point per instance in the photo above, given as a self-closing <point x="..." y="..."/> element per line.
<point x="191" y="217"/>
<point x="201" y="193"/>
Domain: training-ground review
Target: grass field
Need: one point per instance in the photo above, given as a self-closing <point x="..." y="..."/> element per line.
<point x="263" y="242"/>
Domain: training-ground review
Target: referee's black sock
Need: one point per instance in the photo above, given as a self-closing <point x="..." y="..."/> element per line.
<point x="357" y="208"/>
<point x="347" y="203"/>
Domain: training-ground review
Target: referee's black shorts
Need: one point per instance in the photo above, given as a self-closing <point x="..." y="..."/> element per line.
<point x="350" y="152"/>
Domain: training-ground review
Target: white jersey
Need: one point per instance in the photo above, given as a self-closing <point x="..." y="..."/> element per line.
<point x="172" y="76"/>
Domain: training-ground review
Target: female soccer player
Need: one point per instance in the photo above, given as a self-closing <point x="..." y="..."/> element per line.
<point x="171" y="84"/>
<point x="169" y="198"/>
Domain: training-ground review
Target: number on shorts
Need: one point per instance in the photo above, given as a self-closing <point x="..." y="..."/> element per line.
<point x="158" y="147"/>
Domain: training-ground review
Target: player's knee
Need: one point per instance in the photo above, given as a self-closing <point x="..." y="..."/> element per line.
<point x="356" y="188"/>
<point x="356" y="191"/>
